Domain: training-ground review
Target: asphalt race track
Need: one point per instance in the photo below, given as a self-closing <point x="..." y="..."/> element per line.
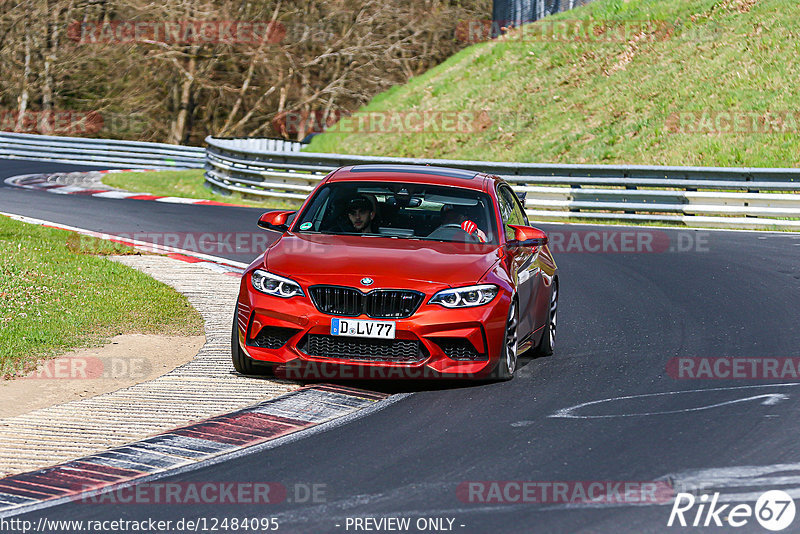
<point x="623" y="316"/>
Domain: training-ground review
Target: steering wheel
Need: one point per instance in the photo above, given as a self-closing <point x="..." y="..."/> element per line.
<point x="452" y="230"/>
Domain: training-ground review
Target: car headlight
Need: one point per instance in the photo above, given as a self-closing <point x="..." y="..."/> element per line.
<point x="275" y="285"/>
<point x="465" y="297"/>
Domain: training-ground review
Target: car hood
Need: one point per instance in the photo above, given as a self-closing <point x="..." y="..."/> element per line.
<point x="392" y="263"/>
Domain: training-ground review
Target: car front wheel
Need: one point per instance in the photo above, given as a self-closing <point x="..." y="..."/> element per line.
<point x="243" y="363"/>
<point x="508" y="359"/>
<point x="548" y="342"/>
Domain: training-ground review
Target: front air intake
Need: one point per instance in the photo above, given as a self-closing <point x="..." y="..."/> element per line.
<point x="378" y="303"/>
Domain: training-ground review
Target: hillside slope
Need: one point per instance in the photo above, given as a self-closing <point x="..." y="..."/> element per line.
<point x="668" y="82"/>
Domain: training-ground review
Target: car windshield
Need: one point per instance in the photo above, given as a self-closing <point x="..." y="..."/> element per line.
<point x="400" y="210"/>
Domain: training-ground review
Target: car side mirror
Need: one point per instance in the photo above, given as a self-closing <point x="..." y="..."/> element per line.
<point x="527" y="236"/>
<point x="275" y="220"/>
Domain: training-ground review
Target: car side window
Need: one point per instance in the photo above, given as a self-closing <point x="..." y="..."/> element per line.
<point x="319" y="209"/>
<point x="510" y="210"/>
<point x="519" y="207"/>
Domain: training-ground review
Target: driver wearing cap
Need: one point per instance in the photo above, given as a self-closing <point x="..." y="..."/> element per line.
<point x="361" y="214"/>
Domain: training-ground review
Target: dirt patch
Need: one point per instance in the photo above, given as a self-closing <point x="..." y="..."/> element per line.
<point x="627" y="56"/>
<point x="742" y="6"/>
<point x="125" y="361"/>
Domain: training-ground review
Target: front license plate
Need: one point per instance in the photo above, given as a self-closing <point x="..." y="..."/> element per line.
<point x="361" y="328"/>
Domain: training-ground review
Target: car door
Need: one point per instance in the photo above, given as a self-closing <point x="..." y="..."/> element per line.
<point x="524" y="267"/>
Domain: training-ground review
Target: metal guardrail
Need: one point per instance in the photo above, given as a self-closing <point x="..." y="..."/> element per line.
<point x="129" y="154"/>
<point x="696" y="196"/>
<point x="259" y="144"/>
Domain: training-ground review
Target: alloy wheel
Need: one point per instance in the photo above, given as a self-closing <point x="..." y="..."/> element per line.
<point x="511" y="339"/>
<point x="553" y="315"/>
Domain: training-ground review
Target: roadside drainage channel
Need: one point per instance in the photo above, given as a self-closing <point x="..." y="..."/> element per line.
<point x="89" y="183"/>
<point x="204" y="387"/>
<point x="182" y="447"/>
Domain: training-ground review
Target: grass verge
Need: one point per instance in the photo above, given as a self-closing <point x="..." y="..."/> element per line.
<point x="187" y="184"/>
<point x="57" y="293"/>
<point x="709" y="85"/>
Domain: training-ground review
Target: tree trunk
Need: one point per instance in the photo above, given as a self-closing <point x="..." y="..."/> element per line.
<point x="45" y="125"/>
<point x="22" y="101"/>
<point x="50" y="61"/>
<point x="179" y="127"/>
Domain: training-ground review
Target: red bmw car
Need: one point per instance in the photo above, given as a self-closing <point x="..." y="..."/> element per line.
<point x="422" y="271"/>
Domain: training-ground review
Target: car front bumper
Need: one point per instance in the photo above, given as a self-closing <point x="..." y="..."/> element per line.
<point x="434" y="342"/>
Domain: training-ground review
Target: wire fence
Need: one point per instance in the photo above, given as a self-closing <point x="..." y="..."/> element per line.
<point x="513" y="13"/>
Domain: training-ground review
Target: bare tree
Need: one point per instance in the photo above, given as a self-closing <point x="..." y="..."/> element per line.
<point x="315" y="60"/>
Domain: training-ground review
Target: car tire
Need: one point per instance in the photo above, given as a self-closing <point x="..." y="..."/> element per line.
<point x="510" y="355"/>
<point x="548" y="342"/>
<point x="243" y="363"/>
